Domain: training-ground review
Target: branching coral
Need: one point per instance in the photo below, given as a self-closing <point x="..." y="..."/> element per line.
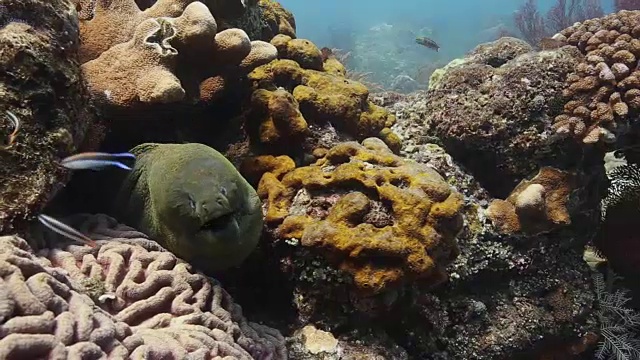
<point x="126" y="298"/>
<point x="381" y="218"/>
<point x="603" y="92"/>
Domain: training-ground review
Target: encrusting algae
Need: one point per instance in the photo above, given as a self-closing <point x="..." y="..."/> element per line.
<point x="381" y="218"/>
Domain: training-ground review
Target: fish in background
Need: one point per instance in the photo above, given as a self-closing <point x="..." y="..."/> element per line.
<point x="426" y="42"/>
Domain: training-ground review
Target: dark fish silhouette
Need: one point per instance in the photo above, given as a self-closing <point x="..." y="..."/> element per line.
<point x="425" y="41"/>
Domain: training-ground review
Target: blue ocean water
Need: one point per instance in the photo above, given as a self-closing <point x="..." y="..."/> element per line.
<point x="379" y="35"/>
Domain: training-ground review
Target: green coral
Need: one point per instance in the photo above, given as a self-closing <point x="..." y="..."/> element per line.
<point x="193" y="201"/>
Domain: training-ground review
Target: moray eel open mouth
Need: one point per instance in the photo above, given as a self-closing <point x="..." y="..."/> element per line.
<point x="218" y="224"/>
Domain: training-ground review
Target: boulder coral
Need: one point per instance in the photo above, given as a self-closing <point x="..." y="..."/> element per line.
<point x="494" y="110"/>
<point x="383" y="219"/>
<point x="536" y="205"/>
<point x="127" y="298"/>
<point x="150" y="56"/>
<point x="603" y="91"/>
<point x="321" y="97"/>
<point x="41" y="85"/>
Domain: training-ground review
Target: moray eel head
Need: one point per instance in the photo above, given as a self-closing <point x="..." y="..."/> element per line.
<point x="206" y="211"/>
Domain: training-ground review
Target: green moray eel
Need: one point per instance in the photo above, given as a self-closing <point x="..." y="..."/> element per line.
<point x="193" y="201"/>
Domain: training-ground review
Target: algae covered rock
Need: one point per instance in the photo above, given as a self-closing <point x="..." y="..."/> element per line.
<point x="494" y="111"/>
<point x="194" y="202"/>
<point x="41" y="86"/>
<point x="384" y="220"/>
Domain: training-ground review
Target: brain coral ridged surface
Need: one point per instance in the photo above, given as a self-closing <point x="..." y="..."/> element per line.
<point x="603" y="91"/>
<point x="383" y="219"/>
<point x="128" y="298"/>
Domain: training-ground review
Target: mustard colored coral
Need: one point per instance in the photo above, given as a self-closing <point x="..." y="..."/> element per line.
<point x="383" y="219"/>
<point x="278" y="20"/>
<point x="325" y="97"/>
<point x="603" y="92"/>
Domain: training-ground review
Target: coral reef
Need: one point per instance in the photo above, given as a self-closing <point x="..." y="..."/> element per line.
<point x="41" y="85"/>
<point x="125" y="298"/>
<point x="384" y="220"/>
<point x="495" y="108"/>
<point x="321" y="98"/>
<point x="149" y="56"/>
<point x="603" y="91"/>
<point x="536" y="205"/>
<point x="507" y="296"/>
<point x="192" y="200"/>
<point x="277" y="20"/>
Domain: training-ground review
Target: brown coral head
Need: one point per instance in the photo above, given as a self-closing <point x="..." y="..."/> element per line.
<point x="535" y="206"/>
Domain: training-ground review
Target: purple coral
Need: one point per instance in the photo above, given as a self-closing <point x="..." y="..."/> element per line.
<point x="126" y="298"/>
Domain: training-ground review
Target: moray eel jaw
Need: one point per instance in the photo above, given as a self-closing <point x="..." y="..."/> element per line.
<point x="219" y="223"/>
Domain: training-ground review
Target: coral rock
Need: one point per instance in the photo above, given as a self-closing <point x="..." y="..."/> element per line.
<point x="42" y="86"/>
<point x="496" y="119"/>
<point x="277" y="20"/>
<point x="536" y="205"/>
<point x="302" y="51"/>
<point x="383" y="219"/>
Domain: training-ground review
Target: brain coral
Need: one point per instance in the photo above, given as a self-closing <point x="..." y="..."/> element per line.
<point x="320" y="97"/>
<point x="494" y="111"/>
<point x="381" y="218"/>
<point x="127" y="298"/>
<point x="603" y="91"/>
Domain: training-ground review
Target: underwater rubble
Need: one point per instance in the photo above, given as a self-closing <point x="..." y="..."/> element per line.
<point x="448" y="223"/>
